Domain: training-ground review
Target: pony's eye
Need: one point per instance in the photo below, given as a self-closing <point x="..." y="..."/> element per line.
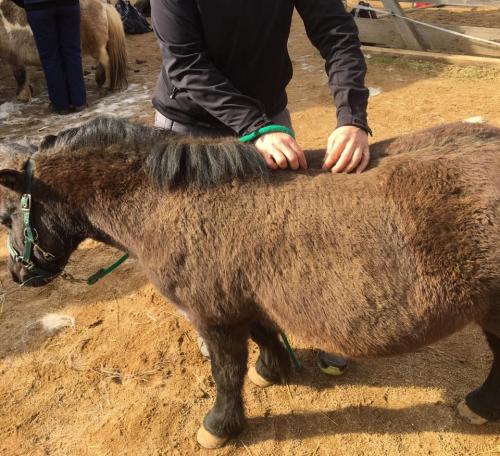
<point x="6" y="221"/>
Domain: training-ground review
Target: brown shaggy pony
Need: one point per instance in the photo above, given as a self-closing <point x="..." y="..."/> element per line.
<point x="102" y="38"/>
<point x="364" y="265"/>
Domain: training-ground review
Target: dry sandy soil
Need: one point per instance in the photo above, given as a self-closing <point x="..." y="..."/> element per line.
<point x="127" y="379"/>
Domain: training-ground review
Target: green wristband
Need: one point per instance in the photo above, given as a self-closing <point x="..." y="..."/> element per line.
<point x="267" y="129"/>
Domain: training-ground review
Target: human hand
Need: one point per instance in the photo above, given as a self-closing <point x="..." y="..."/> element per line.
<point x="347" y="150"/>
<point x="280" y="150"/>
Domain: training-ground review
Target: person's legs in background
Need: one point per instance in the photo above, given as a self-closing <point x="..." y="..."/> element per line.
<point x="329" y="363"/>
<point x="68" y="27"/>
<point x="43" y="23"/>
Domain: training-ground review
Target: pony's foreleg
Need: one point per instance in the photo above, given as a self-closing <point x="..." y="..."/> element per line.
<point x="103" y="71"/>
<point x="228" y="355"/>
<point x="24" y="92"/>
<point x="483" y="404"/>
<point x="273" y="364"/>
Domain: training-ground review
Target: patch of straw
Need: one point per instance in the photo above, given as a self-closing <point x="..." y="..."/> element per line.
<point x="115" y="375"/>
<point x="246" y="448"/>
<point x="331" y="419"/>
<point x="495" y="450"/>
<point x="5" y="293"/>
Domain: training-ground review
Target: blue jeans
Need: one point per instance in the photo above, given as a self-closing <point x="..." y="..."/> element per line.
<point x="57" y="35"/>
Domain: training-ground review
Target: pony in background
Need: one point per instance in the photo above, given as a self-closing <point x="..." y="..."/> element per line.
<point x="102" y="37"/>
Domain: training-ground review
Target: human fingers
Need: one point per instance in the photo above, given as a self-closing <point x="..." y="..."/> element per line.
<point x="269" y="160"/>
<point x="345" y="158"/>
<point x="357" y="156"/>
<point x="364" y="162"/>
<point x="279" y="157"/>
<point x="299" y="152"/>
<point x="290" y="154"/>
<point x="334" y="151"/>
<point x="264" y="146"/>
<point x="282" y="148"/>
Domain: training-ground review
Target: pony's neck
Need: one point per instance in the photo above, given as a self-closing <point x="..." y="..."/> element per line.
<point x="108" y="190"/>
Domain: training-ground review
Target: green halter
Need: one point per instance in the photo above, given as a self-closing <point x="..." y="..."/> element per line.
<point x="31" y="241"/>
<point x="30" y="233"/>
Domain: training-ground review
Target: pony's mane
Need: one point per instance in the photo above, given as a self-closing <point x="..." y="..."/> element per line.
<point x="170" y="160"/>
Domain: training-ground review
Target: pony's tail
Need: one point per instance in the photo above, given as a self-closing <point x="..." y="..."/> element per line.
<point x="117" y="50"/>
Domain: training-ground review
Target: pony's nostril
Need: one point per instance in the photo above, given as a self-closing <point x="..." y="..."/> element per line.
<point x="24" y="276"/>
<point x="15" y="278"/>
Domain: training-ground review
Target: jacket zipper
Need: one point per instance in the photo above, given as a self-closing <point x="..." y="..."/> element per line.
<point x="174" y="93"/>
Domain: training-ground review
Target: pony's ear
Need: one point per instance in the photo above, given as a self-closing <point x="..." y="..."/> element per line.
<point x="13" y="180"/>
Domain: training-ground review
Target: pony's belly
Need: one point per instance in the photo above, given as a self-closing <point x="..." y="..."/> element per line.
<point x="386" y="338"/>
<point x="364" y="326"/>
<point x="18" y="48"/>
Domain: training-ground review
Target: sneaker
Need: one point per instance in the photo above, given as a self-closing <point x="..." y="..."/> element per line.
<point x="332" y="364"/>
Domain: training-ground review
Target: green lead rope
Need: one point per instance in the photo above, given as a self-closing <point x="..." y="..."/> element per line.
<point x="105" y="271"/>
<point x="267" y="129"/>
<point x="290" y="351"/>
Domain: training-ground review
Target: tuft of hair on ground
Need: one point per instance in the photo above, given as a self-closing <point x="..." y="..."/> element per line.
<point x="53" y="322"/>
<point x="475" y="120"/>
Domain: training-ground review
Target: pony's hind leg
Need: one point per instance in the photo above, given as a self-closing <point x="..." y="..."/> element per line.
<point x="483" y="404"/>
<point x="273" y="364"/>
<point x="228" y="356"/>
<point x="103" y="71"/>
<point x="24" y="91"/>
<point x="100" y="75"/>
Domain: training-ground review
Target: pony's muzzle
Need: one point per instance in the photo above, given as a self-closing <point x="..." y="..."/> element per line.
<point x="24" y="277"/>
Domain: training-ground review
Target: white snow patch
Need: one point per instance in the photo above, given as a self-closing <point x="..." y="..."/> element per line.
<point x="374" y="91"/>
<point x="475" y="120"/>
<point x="133" y="101"/>
<point x="53" y="322"/>
<point x="7" y="109"/>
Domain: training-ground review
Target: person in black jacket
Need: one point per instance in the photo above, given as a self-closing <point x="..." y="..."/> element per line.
<point x="56" y="29"/>
<point x="225" y="71"/>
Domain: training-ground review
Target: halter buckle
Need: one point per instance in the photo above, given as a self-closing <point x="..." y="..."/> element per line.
<point x="28" y="264"/>
<point x="26" y="202"/>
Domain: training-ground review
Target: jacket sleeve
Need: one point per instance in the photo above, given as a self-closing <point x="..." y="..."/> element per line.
<point x="187" y="63"/>
<point x="334" y="33"/>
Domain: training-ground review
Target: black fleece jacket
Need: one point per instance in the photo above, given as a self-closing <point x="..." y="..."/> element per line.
<point x="226" y="63"/>
<point x="42" y="4"/>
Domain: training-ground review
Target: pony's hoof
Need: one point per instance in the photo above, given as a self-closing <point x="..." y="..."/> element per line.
<point x="471" y="417"/>
<point x="258" y="379"/>
<point x="25" y="94"/>
<point x="209" y="441"/>
<point x="24" y="97"/>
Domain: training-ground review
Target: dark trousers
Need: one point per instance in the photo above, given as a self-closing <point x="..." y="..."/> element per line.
<point x="57" y="35"/>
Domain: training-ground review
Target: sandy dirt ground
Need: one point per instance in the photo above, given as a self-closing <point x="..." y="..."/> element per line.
<point x="127" y="379"/>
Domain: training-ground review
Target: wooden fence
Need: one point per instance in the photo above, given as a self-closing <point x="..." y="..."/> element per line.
<point x="397" y="32"/>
